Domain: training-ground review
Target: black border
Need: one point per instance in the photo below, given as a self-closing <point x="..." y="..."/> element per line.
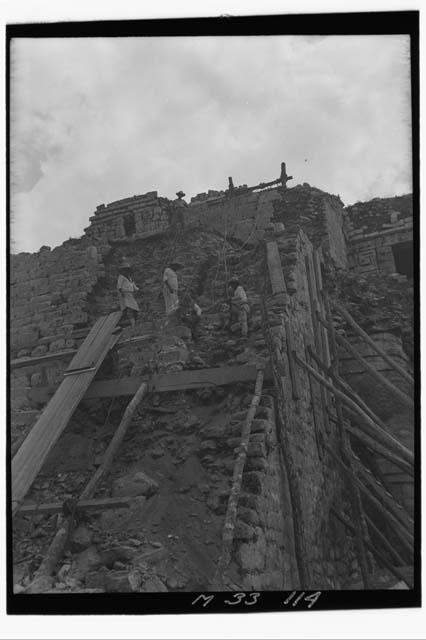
<point x="371" y="23"/>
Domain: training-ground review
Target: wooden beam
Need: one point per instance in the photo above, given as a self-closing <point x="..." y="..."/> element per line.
<point x="19" y="363"/>
<point x="30" y="457"/>
<point x="291" y="353"/>
<point x="51" y="508"/>
<point x="44" y="573"/>
<point x="160" y="383"/>
<point x="116" y="441"/>
<point x="275" y="269"/>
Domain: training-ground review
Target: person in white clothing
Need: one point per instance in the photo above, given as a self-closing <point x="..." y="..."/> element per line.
<point x="126" y="288"/>
<point x="170" y="288"/>
<point x="239" y="305"/>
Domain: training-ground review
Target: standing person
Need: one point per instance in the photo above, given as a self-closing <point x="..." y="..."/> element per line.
<point x="239" y="305"/>
<point x="191" y="315"/>
<point x="170" y="287"/>
<point x="178" y="214"/>
<point x="126" y="288"/>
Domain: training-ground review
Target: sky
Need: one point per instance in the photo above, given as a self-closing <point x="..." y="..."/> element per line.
<point x="99" y="119"/>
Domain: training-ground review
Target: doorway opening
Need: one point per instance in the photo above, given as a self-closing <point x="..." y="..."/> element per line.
<point x="129" y="225"/>
<point x="403" y="257"/>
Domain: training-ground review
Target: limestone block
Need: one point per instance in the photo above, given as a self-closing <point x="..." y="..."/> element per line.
<point x="244" y="531"/>
<point x="24" y="353"/>
<point x="253" y="482"/>
<point x="37" y="379"/>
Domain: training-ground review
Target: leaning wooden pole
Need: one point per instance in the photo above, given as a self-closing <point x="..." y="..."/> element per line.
<point x="379" y="448"/>
<point x="360" y="435"/>
<point x="347" y="316"/>
<point x="343" y="386"/>
<point x="405" y="538"/>
<point x="403" y="397"/>
<point x="396" y="572"/>
<point x="361" y="531"/>
<point x="372" y="443"/>
<point x="368" y="367"/>
<point x="43" y="576"/>
<point x="374" y="429"/>
<point x="385" y="542"/>
<point x="116" y="441"/>
<point x="231" y="512"/>
<point x="381" y="493"/>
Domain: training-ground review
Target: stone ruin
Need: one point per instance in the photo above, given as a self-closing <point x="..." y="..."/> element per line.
<point x="184" y="442"/>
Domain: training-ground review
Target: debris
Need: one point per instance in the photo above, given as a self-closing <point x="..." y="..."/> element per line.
<point x="154" y="584"/>
<point x="81" y="539"/>
<point x="134" y="484"/>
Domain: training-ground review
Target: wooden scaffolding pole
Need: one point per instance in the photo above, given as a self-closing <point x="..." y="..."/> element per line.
<point x="405" y="538"/>
<point x="347" y="316"/>
<point x="376" y="374"/>
<point x="43" y="577"/>
<point x="368" y="367"/>
<point x="231" y="513"/>
<point x="360" y="435"/>
<point x="377" y="447"/>
<point x="396" y="572"/>
<point x="361" y="531"/>
<point x="374" y="429"/>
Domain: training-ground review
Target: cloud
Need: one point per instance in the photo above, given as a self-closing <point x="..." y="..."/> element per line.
<point x="94" y="120"/>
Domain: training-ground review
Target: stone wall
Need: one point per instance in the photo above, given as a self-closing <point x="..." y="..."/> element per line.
<point x="134" y="217"/>
<point x="373" y="228"/>
<point x="324" y="560"/>
<point x="319" y="214"/>
<point x="264" y="546"/>
<point x="48" y="292"/>
<point x="242" y="215"/>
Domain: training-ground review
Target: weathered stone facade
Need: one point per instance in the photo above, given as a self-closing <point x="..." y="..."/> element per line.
<point x="285" y="537"/>
<point x="380" y="236"/>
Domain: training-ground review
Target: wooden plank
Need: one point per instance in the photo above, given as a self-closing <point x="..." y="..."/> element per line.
<point x="80" y="357"/>
<point x="19" y="363"/>
<point x="31" y="455"/>
<point x="275" y="269"/>
<point x="179" y="381"/>
<point x="94" y="344"/>
<point x="291" y="365"/>
<point x="97" y="504"/>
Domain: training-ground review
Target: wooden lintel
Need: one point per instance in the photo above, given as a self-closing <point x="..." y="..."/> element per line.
<point x="97" y="504"/>
<point x="179" y="381"/>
